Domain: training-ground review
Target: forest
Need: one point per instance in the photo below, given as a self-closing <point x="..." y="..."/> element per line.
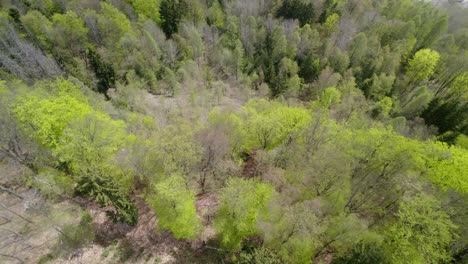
<point x="234" y="131"/>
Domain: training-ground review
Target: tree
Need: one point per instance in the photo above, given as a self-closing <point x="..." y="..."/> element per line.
<point x="259" y="255"/>
<point x="147" y="8"/>
<point x="358" y="49"/>
<point x="45" y="112"/>
<point x="365" y="252"/>
<point x="112" y="25"/>
<point x="421" y="233"/>
<point x="330" y="24"/>
<point x="242" y="202"/>
<point x="422" y="65"/>
<point x="175" y="207"/>
<point x="68" y="33"/>
<point x="292" y="231"/>
<point x="448" y="167"/>
<point x="75" y="236"/>
<point x="297" y="9"/>
<point x="104" y="72"/>
<point x="269" y="124"/>
<point x="83" y="140"/>
<point x="87" y="148"/>
<point x="89" y="142"/>
<point x="286" y="79"/>
<point x="382" y="159"/>
<point x="177" y="149"/>
<point x="216" y="15"/>
<point x="22" y="59"/>
<point x="15" y="145"/>
<point x="172" y="11"/>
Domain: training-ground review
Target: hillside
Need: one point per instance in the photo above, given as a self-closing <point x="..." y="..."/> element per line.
<point x="233" y="131"/>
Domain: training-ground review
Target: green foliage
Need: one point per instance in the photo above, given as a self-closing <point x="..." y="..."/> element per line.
<point x="86" y="148"/>
<point x="83" y="140"/>
<point x="329" y="97"/>
<point x="88" y="142"/>
<point x="242" y="202"/>
<point x="462" y="141"/>
<point x="107" y="192"/>
<point x="175" y="207"/>
<point x="177" y="149"/>
<point x="147" y="8"/>
<point x="292" y="231"/>
<point x="297" y="9"/>
<point x="259" y="255"/>
<point x="422" y="65"/>
<point x="172" y="11"/>
<point x="38" y="25"/>
<point x="104" y="71"/>
<point x="113" y="24"/>
<point x="421" y="234"/>
<point x="68" y="32"/>
<point x="216" y="15"/>
<point x="448" y="167"/>
<point x="365" y="252"/>
<point x="363" y="90"/>
<point x="53" y="184"/>
<point x="266" y="125"/>
<point x="331" y="23"/>
<point x="45" y="112"/>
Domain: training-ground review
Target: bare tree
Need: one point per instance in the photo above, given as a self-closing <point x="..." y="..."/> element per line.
<point x="21" y="58"/>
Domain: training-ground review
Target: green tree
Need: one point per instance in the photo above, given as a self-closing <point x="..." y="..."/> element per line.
<point x="87" y="148"/>
<point x="448" y="167"/>
<point x="172" y="11"/>
<point x="358" y="49"/>
<point x="259" y="255"/>
<point x="112" y="25"/>
<point x="75" y="236"/>
<point x="331" y="24"/>
<point x="216" y="15"/>
<point x="270" y="124"/>
<point x="297" y="9"/>
<point x="147" y="8"/>
<point x="292" y="231"/>
<point x="104" y="72"/>
<point x="175" y="206"/>
<point x="242" y="202"/>
<point x="177" y="149"/>
<point x="422" y="65"/>
<point x="38" y="25"/>
<point x="68" y="33"/>
<point x="46" y="112"/>
<point x="421" y="234"/>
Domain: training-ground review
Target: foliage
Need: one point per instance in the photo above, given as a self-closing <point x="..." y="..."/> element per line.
<point x="172" y="11"/>
<point x="259" y="255"/>
<point x="177" y="149"/>
<point x="104" y="72"/>
<point x="175" y="206"/>
<point x="267" y="125"/>
<point x="336" y="108"/>
<point x="297" y="9"/>
<point x="423" y="64"/>
<point x="447" y="167"/>
<point x="242" y="202"/>
<point x="46" y="112"/>
<point x="148" y="8"/>
<point x="421" y="234"/>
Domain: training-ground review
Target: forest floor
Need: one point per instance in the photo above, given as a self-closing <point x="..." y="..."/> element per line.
<point x="120" y="243"/>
